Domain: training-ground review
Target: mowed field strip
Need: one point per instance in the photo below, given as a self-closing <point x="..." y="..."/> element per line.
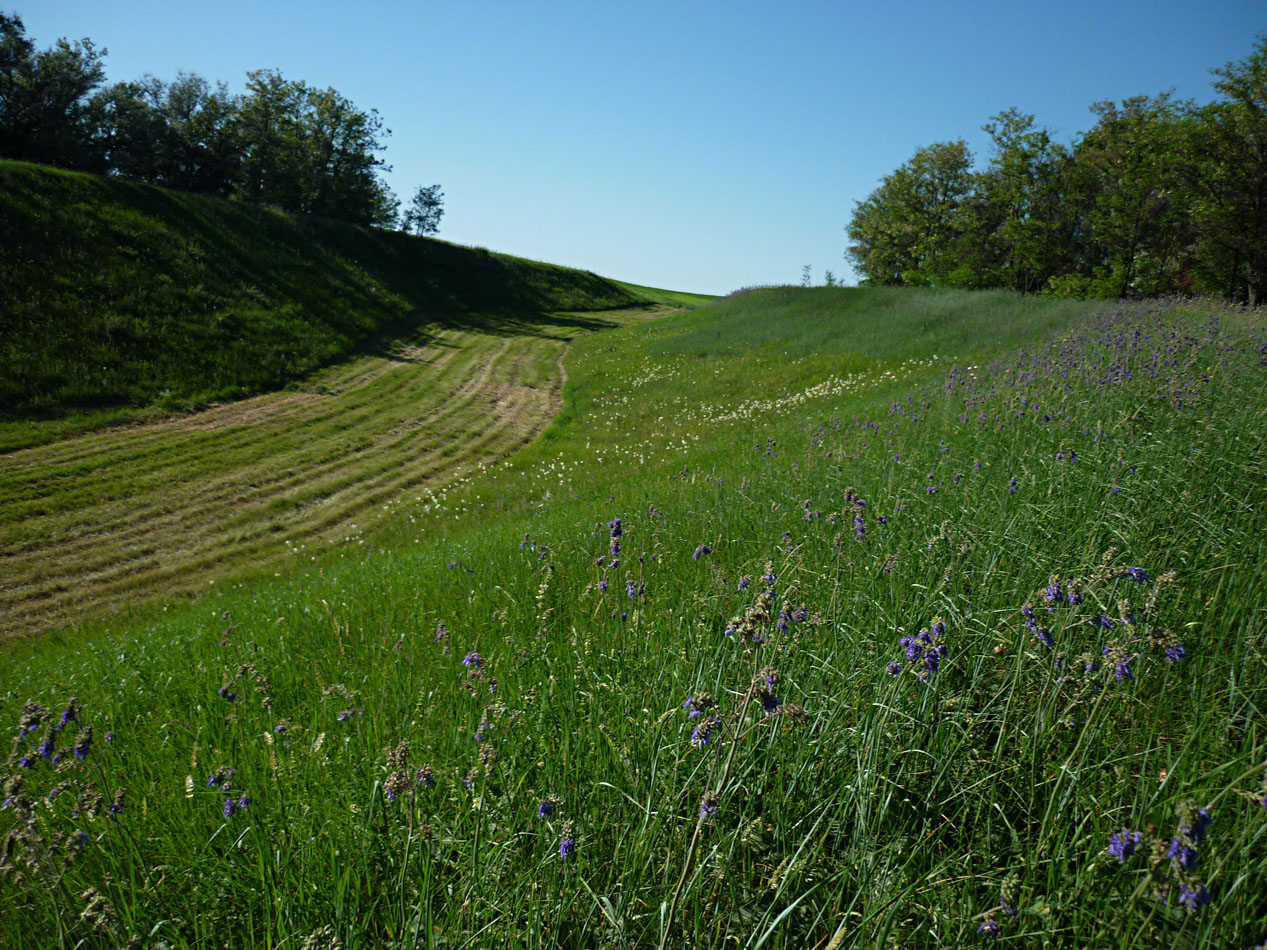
<point x="128" y="515"/>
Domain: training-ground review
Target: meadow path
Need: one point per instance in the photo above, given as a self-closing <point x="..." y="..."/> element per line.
<point x="133" y="514"/>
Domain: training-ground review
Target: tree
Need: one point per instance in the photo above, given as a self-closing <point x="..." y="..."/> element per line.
<point x="182" y="134"/>
<point x="425" y="211"/>
<point x="1136" y="208"/>
<point x="904" y="232"/>
<point x="339" y="165"/>
<point x="1227" y="173"/>
<point x="270" y="120"/>
<point x="44" y="98"/>
<point x="1021" y="201"/>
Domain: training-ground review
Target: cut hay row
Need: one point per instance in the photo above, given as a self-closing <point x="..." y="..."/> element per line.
<point x="127" y="515"/>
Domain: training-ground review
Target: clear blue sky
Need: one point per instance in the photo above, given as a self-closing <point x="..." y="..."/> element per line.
<point x="694" y="146"/>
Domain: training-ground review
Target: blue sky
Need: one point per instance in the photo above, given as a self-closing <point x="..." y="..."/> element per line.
<point x="689" y="145"/>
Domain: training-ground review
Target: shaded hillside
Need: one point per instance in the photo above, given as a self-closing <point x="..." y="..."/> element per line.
<point x="116" y="294"/>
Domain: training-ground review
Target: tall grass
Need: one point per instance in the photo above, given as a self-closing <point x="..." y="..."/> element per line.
<point x="949" y="626"/>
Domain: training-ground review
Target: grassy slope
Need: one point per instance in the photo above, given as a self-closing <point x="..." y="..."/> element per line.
<point x="899" y="812"/>
<point x="131" y="514"/>
<point x="119" y="296"/>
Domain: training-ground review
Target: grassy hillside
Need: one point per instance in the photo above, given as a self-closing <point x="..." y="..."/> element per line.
<point x="817" y="619"/>
<point x="118" y="296"/>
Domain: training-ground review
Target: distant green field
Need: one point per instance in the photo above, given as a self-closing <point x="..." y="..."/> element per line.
<point x="817" y="618"/>
<point x="120" y="297"/>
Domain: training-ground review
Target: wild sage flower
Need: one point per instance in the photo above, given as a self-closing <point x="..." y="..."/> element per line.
<point x="69" y="714"/>
<point x="83" y="744"/>
<point x="1122" y="844"/>
<point x="708" y="805"/>
<point x="545" y="809"/>
<point x="1183" y="854"/>
<point x="703" y="733"/>
<point x="567" y="844"/>
<point x="700" y="551"/>
<point x="1194" y="897"/>
<point x="989" y="927"/>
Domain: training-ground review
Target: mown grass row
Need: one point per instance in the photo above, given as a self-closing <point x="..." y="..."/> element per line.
<point x="131" y="514"/>
<point x="1083" y="513"/>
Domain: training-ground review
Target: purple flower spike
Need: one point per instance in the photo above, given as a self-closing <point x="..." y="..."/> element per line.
<point x="1194" y="898"/>
<point x="1122" y="845"/>
<point x="567" y="848"/>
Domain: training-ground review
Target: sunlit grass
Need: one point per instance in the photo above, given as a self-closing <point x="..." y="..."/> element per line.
<point x="1116" y="455"/>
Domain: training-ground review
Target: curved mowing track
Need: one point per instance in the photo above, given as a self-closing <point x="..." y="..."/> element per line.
<point x="132" y="514"/>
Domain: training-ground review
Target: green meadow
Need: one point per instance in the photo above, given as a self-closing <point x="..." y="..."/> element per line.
<point x="814" y="618"/>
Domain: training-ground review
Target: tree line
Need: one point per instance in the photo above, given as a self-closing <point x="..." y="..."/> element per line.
<point x="1161" y="196"/>
<point x="281" y="142"/>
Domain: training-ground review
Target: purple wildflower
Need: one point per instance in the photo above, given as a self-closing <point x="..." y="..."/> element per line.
<point x="545" y="809"/>
<point x="567" y="848"/>
<point x="1137" y="574"/>
<point x="426" y="777"/>
<point x="1199" y="827"/>
<point x="1194" y="898"/>
<point x="473" y="659"/>
<point x="1045" y="637"/>
<point x="1184" y="857"/>
<point x="894" y="668"/>
<point x="989" y="928"/>
<point x="703" y="733"/>
<point x="70" y="714"/>
<point x="1175" y="652"/>
<point x="230" y="806"/>
<point x="1122" y="844"/>
<point x="701" y="551"/>
<point x="708" y="805"/>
